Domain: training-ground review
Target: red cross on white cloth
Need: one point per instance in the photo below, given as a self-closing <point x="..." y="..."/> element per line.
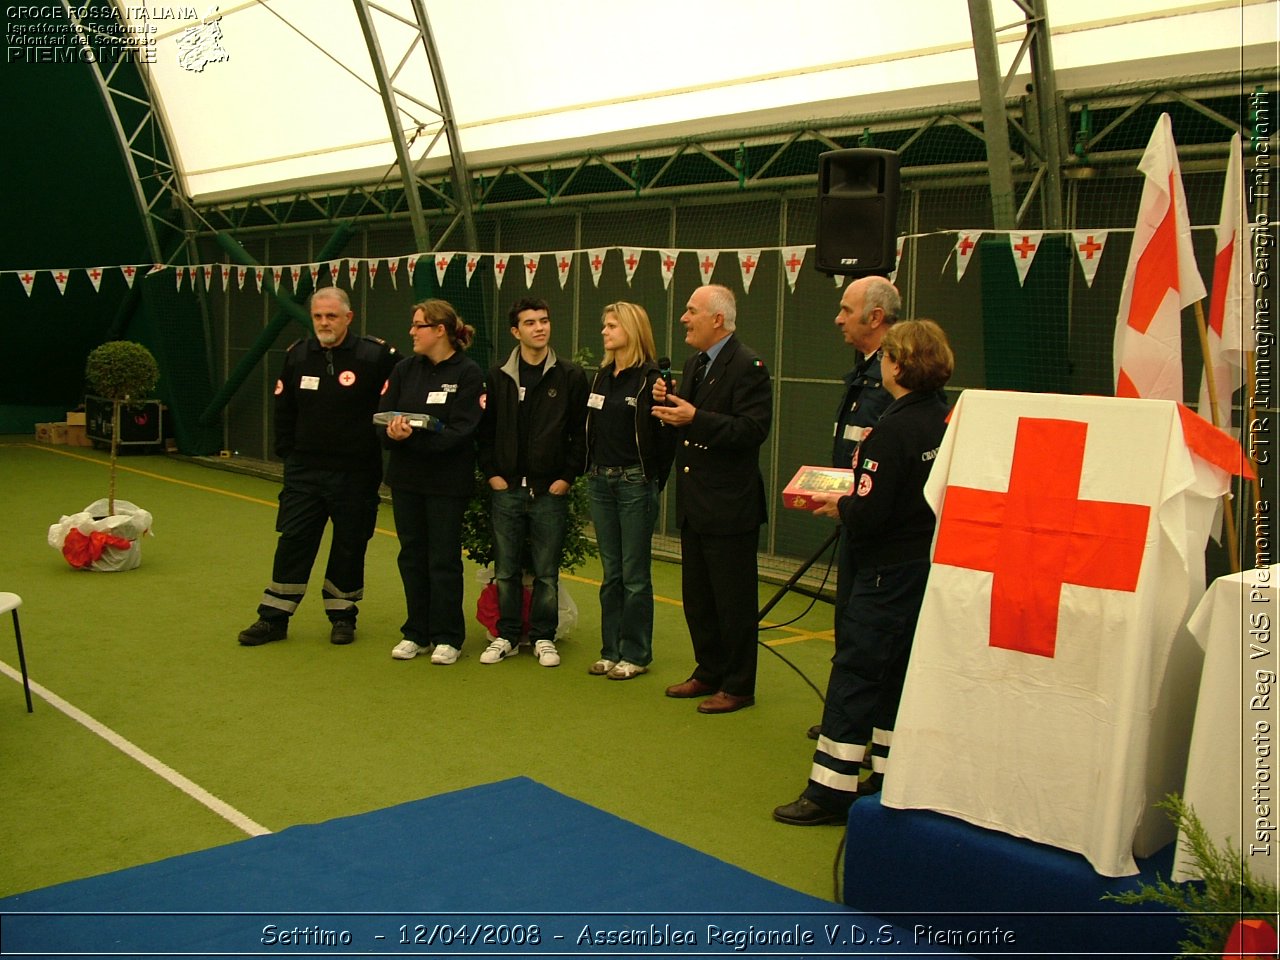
<point x="707" y="263"/>
<point x="966" y="243"/>
<point x="1025" y="246"/>
<point x="1047" y="633"/>
<point x="595" y="260"/>
<point x="748" y="261"/>
<point x="501" y="261"/>
<point x="792" y="261"/>
<point x="667" y="263"/>
<point x="442" y="261"/>
<point x="1089" y="245"/>
<point x="564" y="260"/>
<point x="630" y="260"/>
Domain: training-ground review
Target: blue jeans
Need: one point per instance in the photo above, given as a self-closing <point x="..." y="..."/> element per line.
<point x="623" y="509"/>
<point x="521" y="519"/>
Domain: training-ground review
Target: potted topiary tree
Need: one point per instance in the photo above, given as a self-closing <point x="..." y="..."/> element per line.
<point x="120" y="371"/>
<point x="105" y="535"/>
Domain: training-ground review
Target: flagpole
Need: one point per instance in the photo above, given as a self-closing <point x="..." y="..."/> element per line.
<point x="1228" y="508"/>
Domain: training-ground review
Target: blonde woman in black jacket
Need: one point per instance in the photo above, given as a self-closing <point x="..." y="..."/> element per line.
<point x="629" y="455"/>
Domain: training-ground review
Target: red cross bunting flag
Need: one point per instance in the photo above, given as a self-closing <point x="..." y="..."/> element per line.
<point x="897" y="258"/>
<point x="60" y="277"/>
<point x="180" y="274"/>
<point x="530" y="263"/>
<point x="393" y="267"/>
<point x="1024" y="247"/>
<point x="95" y="277"/>
<point x="1232" y="289"/>
<point x="792" y="261"/>
<point x="473" y="261"/>
<point x="667" y="264"/>
<point x="353" y="271"/>
<point x="1068" y="555"/>
<point x="707" y="263"/>
<point x="410" y="264"/>
<point x="630" y="260"/>
<point x="595" y="260"/>
<point x="966" y="243"/>
<point x="372" y="269"/>
<point x="564" y="260"/>
<point x="225" y="269"/>
<point x="1089" y="245"/>
<point x="501" y="262"/>
<point x="129" y="272"/>
<point x="260" y="272"/>
<point x="1159" y="281"/>
<point x="748" y="261"/>
<point x="441" y="261"/>
<point x="335" y="272"/>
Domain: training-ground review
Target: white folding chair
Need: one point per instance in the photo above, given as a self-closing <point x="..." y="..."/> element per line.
<point x="9" y="603"/>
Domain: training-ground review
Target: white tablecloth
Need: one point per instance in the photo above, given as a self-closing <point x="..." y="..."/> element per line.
<point x="1232" y="776"/>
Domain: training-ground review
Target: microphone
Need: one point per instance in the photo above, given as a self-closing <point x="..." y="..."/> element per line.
<point x="664" y="370"/>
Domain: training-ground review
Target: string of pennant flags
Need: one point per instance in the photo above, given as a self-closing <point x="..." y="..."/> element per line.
<point x="1023" y="245"/>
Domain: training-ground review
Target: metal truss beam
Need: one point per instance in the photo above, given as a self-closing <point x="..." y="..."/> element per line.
<point x="398" y="102"/>
<point x="143" y="137"/>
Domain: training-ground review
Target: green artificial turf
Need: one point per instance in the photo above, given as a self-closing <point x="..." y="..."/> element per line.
<point x="302" y="731"/>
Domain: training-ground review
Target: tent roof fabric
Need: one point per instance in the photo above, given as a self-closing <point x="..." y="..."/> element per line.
<point x="285" y="91"/>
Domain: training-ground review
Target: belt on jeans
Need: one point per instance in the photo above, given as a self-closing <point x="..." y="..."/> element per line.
<point x="613" y="473"/>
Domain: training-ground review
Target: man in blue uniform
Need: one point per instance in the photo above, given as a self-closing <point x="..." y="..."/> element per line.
<point x="325" y="400"/>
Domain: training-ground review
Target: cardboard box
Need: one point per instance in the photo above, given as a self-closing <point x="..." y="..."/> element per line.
<point x="799" y="494"/>
<point x="75" y="418"/>
<point x="51" y="433"/>
<point x="77" y="436"/>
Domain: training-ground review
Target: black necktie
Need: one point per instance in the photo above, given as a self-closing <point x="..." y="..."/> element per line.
<point x="700" y="373"/>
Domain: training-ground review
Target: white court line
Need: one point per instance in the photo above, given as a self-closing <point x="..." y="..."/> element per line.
<point x="158" y="767"/>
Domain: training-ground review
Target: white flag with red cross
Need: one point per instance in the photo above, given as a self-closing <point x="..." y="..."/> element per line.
<point x="1069" y="552"/>
<point x="707" y="263"/>
<point x="60" y="277"/>
<point x="258" y="274"/>
<point x="595" y="260"/>
<point x="1160" y="279"/>
<point x="966" y="243"/>
<point x="897" y="258"/>
<point x="530" y="262"/>
<point x="1089" y="245"/>
<point x="501" y="262"/>
<point x="95" y="277"/>
<point x="1024" y="246"/>
<point x="393" y="267"/>
<point x="667" y="264"/>
<point x="792" y="261"/>
<point x="225" y="269"/>
<point x="564" y="260"/>
<point x="314" y="269"/>
<point x="441" y="261"/>
<point x="335" y="272"/>
<point x="277" y="274"/>
<point x="748" y="261"/>
<point x="473" y="261"/>
<point x="28" y="277"/>
<point x="630" y="260"/>
<point x="129" y="271"/>
<point x="411" y="264"/>
<point x="1232" y="288"/>
<point x="373" y="271"/>
<point x="353" y="271"/>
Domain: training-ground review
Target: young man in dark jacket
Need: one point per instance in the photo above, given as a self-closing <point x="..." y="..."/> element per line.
<point x="531" y="447"/>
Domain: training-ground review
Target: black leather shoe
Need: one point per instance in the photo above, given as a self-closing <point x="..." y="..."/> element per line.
<point x="342" y="632"/>
<point x="264" y="631"/>
<point x="805" y="813"/>
<point x="814" y="731"/>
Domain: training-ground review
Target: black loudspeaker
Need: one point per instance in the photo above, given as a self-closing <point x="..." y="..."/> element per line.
<point x="857" y="212"/>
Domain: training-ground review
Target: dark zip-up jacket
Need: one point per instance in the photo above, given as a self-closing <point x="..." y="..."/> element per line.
<point x="325" y="402"/>
<point x="441" y="462"/>
<point x="557" y="413"/>
<point x="887" y="517"/>
<point x="655" y="443"/>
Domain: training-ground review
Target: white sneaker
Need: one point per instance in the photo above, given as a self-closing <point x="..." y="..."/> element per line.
<point x="625" y="670"/>
<point x="499" y="649"/>
<point x="601" y="667"/>
<point x="406" y="650"/>
<point x="546" y="653"/>
<point x="443" y="653"/>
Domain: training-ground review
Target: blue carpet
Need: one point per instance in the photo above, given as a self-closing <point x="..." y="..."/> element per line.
<point x="488" y="869"/>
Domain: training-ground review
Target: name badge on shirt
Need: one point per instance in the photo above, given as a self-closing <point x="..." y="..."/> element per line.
<point x="437" y="396"/>
<point x="854" y="433"/>
<point x="522" y="394"/>
<point x="596" y="401"/>
<point x="309" y="383"/>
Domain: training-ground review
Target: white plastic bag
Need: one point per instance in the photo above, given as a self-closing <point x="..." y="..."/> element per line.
<point x="129" y="522"/>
